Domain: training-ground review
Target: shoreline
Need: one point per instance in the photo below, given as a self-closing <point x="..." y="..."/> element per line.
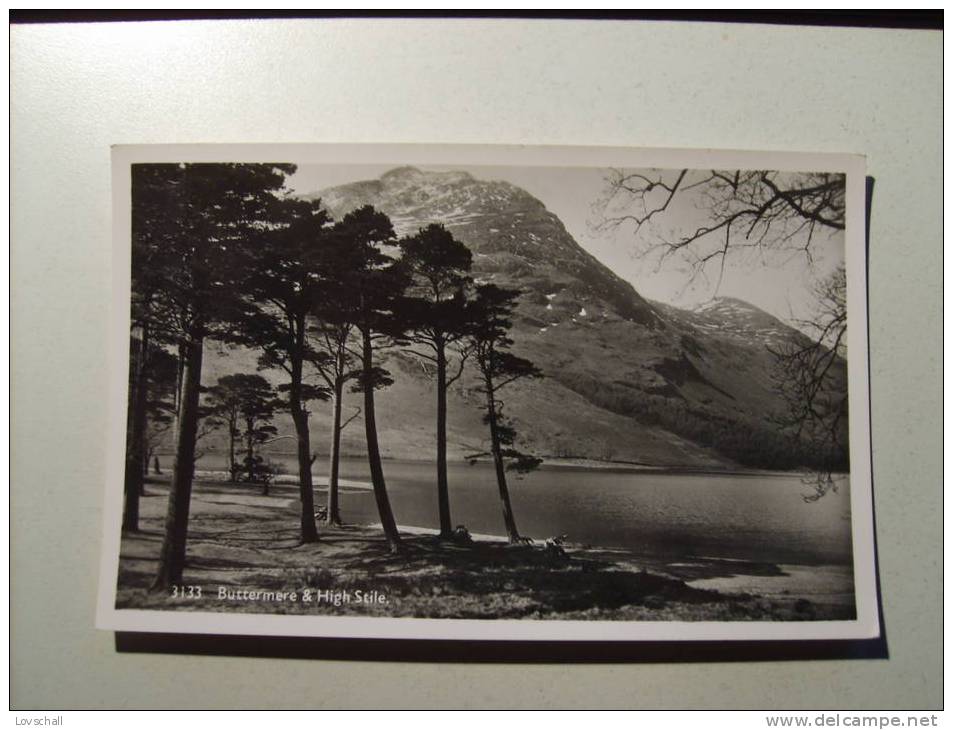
<point x="248" y="542"/>
<point x="416" y="520"/>
<point x="562" y="463"/>
<point x="752" y="576"/>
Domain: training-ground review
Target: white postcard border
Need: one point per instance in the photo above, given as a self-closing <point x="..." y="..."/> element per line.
<point x="865" y="626"/>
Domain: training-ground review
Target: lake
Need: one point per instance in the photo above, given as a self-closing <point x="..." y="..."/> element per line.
<point x="748" y="517"/>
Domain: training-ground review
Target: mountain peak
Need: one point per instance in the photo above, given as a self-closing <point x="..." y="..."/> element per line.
<point x="399" y="174"/>
<point x="722" y="302"/>
<point x="736" y="317"/>
<point x="410" y="175"/>
<point x="732" y="306"/>
<point x="515" y="240"/>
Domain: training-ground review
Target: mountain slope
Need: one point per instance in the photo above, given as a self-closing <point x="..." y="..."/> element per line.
<point x="626" y="379"/>
<point x="512" y="235"/>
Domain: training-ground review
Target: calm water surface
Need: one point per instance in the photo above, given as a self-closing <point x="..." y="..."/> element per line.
<point x="748" y="517"/>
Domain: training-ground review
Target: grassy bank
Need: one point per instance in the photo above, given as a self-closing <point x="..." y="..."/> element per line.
<point x="244" y="555"/>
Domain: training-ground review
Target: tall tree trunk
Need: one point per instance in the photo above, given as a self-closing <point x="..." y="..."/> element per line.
<point x="172" y="556"/>
<point x="334" y="510"/>
<point x="250" y="457"/>
<point x="144" y="446"/>
<point x="146" y="457"/>
<point x="443" y="488"/>
<point x="179" y="370"/>
<point x="135" y="449"/>
<point x="373" y="448"/>
<point x="497" y="451"/>
<point x="232" y="464"/>
<point x="250" y="447"/>
<point x="309" y="530"/>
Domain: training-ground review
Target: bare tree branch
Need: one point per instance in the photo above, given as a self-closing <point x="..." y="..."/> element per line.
<point x="811" y="380"/>
<point x="771" y="211"/>
<point x="357" y="412"/>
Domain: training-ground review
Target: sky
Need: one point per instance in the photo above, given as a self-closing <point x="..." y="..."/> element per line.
<point x="781" y="287"/>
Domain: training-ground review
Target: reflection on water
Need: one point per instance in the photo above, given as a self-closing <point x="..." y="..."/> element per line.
<point x="750" y="517"/>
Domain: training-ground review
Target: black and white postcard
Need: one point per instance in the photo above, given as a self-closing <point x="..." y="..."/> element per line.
<point x="481" y="392"/>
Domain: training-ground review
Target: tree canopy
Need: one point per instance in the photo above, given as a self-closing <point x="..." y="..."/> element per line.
<point x="189" y="222"/>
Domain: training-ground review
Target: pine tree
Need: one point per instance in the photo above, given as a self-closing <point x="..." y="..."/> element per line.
<point x="371" y="297"/>
<point x="490" y="315"/>
<point x="285" y="277"/>
<point x="245" y="403"/>
<point x="188" y="222"/>
<point x="439" y="266"/>
<point x="333" y="336"/>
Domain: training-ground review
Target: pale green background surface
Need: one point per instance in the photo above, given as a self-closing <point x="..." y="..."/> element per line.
<point x="77" y="89"/>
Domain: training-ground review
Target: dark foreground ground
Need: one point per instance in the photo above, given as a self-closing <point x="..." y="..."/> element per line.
<point x="243" y="554"/>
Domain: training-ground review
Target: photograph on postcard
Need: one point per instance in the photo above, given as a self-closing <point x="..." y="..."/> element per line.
<point x="498" y="385"/>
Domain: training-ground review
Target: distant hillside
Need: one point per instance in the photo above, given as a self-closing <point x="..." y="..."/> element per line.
<point x="626" y="379"/>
